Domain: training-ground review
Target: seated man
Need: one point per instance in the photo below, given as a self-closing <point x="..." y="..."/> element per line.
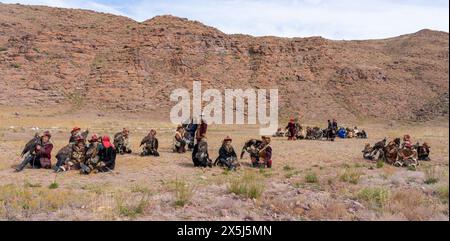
<point x="64" y="155"/>
<point x="39" y="153"/>
<point x="367" y="152"/>
<point x="279" y="133"/>
<point x="150" y="143"/>
<point x="350" y="133"/>
<point x="265" y="154"/>
<point x="200" y="155"/>
<point x="107" y="156"/>
<point x="309" y="133"/>
<point x="227" y="156"/>
<point x="301" y="135"/>
<point x="407" y="143"/>
<point x="76" y="132"/>
<point x="361" y="134"/>
<point x="76" y="158"/>
<point x="179" y="143"/>
<point x="423" y="152"/>
<point x="379" y="148"/>
<point x="391" y="150"/>
<point x="92" y="159"/>
<point x="121" y="142"/>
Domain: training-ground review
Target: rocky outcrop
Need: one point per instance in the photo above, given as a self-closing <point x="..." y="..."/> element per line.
<point x="101" y="61"/>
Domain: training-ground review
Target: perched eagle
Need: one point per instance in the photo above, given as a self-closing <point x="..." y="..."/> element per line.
<point x="380" y="145"/>
<point x="31" y="145"/>
<point x="150" y="139"/>
<point x="249" y="145"/>
<point x="64" y="154"/>
<point x="85" y="134"/>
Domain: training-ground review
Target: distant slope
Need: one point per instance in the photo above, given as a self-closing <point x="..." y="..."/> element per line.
<point x="54" y="56"/>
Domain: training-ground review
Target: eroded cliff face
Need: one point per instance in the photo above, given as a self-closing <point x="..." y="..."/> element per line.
<point x="99" y="61"/>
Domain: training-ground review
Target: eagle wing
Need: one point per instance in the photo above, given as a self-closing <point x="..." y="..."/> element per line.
<point x="64" y="153"/>
<point x="31" y="145"/>
<point x="147" y="138"/>
<point x="85" y="134"/>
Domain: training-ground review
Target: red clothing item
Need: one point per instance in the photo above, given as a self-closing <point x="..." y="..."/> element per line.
<point x="201" y="132"/>
<point x="106" y="142"/>
<point x="45" y="150"/>
<point x="291" y="127"/>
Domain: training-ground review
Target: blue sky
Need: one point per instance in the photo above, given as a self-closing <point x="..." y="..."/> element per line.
<point x="333" y="19"/>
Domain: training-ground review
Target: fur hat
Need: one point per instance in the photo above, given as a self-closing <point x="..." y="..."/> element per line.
<point x="75" y="129"/>
<point x="94" y="138"/>
<point x="47" y="134"/>
<point x="267" y="139"/>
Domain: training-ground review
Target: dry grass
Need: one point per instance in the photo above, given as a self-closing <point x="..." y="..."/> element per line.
<point x="376" y="197"/>
<point x="22" y="201"/>
<point x="411" y="204"/>
<point x="248" y="185"/>
<point x="442" y="192"/>
<point x="311" y="177"/>
<point x="351" y="176"/>
<point x="312" y="173"/>
<point x="183" y="193"/>
<point x="430" y="175"/>
<point x="132" y="207"/>
<point x="331" y="211"/>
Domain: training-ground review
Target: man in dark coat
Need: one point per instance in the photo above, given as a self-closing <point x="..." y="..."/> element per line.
<point x="200" y="155"/>
<point x="334" y="125"/>
<point x="423" y="152"/>
<point x="107" y="155"/>
<point x="150" y="144"/>
<point x="40" y="156"/>
<point x="227" y="155"/>
<point x="191" y="128"/>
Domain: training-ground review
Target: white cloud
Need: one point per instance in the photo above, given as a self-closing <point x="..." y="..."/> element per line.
<point x="335" y="19"/>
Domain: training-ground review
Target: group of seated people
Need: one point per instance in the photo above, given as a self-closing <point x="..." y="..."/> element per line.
<point x="98" y="154"/>
<point x="295" y="131"/>
<point x="398" y="153"/>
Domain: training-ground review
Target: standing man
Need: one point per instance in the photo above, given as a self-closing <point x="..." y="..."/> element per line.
<point x="335" y="125"/>
<point x="191" y="128"/>
<point x="201" y="131"/>
<point x="291" y="128"/>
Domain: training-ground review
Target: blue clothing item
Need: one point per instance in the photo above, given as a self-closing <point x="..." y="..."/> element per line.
<point x="192" y="128"/>
<point x="342" y="133"/>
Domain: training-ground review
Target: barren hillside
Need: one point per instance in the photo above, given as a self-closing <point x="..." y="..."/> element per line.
<point x="52" y="56"/>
